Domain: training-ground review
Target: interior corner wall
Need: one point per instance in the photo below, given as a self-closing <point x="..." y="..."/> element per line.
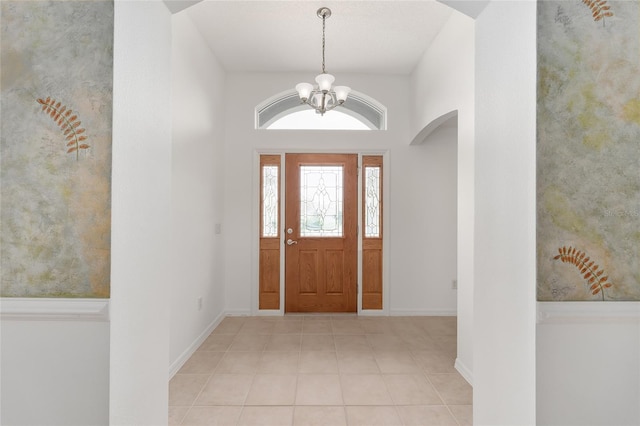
<point x="412" y="288"/>
<point x="141" y="214"/>
<point x="442" y="82"/>
<point x="505" y="194"/>
<point x="197" y="275"/>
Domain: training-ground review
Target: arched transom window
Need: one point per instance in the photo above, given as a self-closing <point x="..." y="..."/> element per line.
<point x="284" y="111"/>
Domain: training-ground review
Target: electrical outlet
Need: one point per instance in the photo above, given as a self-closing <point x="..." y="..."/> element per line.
<point x="200" y="303"/>
<point x="454" y="284"/>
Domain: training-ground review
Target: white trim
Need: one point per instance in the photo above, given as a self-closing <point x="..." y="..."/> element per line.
<point x="184" y="357"/>
<point x="425" y="313"/>
<point x="464" y="371"/>
<point x="386" y="231"/>
<point x="238" y="313"/>
<point x="283" y="237"/>
<point x="372" y="313"/>
<point x="359" y="240"/>
<point x="269" y="313"/>
<point x="587" y="312"/>
<point x="47" y="309"/>
<point x="255" y="233"/>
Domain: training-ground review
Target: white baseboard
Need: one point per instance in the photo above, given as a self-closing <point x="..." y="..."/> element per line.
<point x="373" y="313"/>
<point x="425" y="313"/>
<point x="184" y="357"/>
<point x="464" y="371"/>
<point x="53" y="309"/>
<point x="238" y="313"/>
<point x="269" y="313"/>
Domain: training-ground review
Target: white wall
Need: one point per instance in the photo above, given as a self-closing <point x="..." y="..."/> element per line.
<point x="443" y="82"/>
<point x="197" y="190"/>
<point x="588" y="363"/>
<point x="424" y="200"/>
<point x="141" y="214"/>
<point x="413" y="290"/>
<point x="54" y="372"/>
<point x="504" y="294"/>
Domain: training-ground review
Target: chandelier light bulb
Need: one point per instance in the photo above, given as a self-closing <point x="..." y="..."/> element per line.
<point x="341" y="93"/>
<point x="325" y="81"/>
<point x="304" y="90"/>
<point x="317" y="101"/>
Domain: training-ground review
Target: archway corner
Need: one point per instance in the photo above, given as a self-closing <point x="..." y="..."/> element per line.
<point x="433" y="125"/>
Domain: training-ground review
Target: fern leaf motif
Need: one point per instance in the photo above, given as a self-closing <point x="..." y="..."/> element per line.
<point x="68" y="123"/>
<point x="599" y="9"/>
<point x="591" y="272"/>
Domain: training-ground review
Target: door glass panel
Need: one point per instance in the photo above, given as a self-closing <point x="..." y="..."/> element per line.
<point x="270" y="201"/>
<point x="372" y="202"/>
<point x="321" y="201"/>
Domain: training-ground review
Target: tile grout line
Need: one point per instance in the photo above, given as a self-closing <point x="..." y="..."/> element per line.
<point x="208" y="379"/>
<point x="339" y="372"/>
<point x="445" y="403"/>
<point x="190" y="407"/>
<point x="244" y="401"/>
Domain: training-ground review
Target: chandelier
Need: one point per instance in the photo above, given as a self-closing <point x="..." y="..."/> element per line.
<point x="323" y="97"/>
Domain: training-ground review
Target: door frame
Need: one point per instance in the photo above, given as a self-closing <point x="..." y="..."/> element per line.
<point x="255" y="227"/>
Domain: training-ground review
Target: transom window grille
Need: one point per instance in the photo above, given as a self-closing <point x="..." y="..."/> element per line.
<point x="372" y="202"/>
<point x="361" y="111"/>
<point x="321" y="201"/>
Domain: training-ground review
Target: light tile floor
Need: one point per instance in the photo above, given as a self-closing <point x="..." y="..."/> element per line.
<point x="323" y="370"/>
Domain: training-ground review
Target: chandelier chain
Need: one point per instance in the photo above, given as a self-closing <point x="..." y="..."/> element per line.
<point x="323" y="25"/>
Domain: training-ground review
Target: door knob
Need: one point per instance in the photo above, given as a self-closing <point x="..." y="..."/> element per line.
<point x="291" y="242"/>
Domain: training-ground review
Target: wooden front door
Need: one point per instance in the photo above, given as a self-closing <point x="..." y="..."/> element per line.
<point x="321" y="232"/>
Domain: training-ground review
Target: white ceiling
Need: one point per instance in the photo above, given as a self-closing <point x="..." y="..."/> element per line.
<point x="379" y="37"/>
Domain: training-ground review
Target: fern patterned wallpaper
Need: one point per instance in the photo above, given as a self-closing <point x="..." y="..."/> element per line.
<point x="55" y="148"/>
<point x="588" y="153"/>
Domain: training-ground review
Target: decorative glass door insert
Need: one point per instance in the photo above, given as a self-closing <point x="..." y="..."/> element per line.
<point x="321" y="201"/>
<point x="372" y="201"/>
<point x="270" y="200"/>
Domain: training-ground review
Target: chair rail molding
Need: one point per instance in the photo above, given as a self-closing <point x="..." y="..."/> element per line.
<point x="588" y="312"/>
<point x="47" y="309"/>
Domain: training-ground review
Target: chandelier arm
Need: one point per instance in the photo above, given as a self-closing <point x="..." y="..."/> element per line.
<point x="322" y="108"/>
<point x="337" y="104"/>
